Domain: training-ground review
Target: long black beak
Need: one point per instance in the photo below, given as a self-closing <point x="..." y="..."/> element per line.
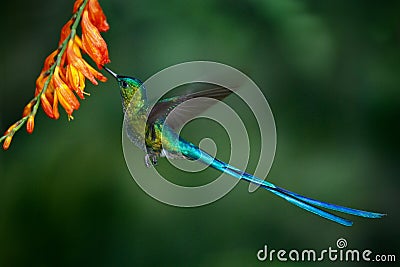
<point x="111" y="72"/>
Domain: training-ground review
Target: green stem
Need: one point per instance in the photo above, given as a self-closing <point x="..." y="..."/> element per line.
<point x="63" y="47"/>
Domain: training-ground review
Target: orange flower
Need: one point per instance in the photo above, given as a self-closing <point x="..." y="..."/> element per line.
<point x="64" y="70"/>
<point x="70" y="75"/>
<point x="93" y="43"/>
<point x="64" y="95"/>
<point x="65" y="31"/>
<point x="76" y="80"/>
<point x="74" y="58"/>
<point x="96" y="14"/>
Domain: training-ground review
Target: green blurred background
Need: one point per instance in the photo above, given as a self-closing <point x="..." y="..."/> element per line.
<point x="330" y="71"/>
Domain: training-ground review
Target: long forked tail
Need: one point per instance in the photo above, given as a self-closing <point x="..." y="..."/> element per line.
<point x="303" y="202"/>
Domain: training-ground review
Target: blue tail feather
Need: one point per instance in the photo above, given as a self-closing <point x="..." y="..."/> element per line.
<point x="356" y="212"/>
<point x="313" y="209"/>
<point x="303" y="202"/>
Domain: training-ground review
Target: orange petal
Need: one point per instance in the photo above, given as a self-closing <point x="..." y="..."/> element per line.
<point x="67" y="99"/>
<point x="93" y="44"/>
<point x="68" y="96"/>
<point x="78" y="42"/>
<point x="50" y="92"/>
<point x="55" y="107"/>
<point x="97" y="16"/>
<point x="49" y="61"/>
<point x="46" y="106"/>
<point x="64" y="94"/>
<point x="40" y="83"/>
<point x="65" y="31"/>
<point x="62" y="73"/>
<point x="96" y="74"/>
<point x="75" y="58"/>
<point x="76" y="80"/>
<point x="77" y="4"/>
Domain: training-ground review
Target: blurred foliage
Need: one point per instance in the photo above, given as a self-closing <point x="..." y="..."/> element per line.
<point x="330" y="71"/>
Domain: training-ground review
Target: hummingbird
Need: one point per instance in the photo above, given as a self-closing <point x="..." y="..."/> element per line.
<point x="148" y="128"/>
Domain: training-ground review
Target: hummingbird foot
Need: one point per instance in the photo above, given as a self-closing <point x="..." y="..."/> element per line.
<point x="150" y="160"/>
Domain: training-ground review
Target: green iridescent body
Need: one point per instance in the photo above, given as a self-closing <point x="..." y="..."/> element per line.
<point x="153" y="136"/>
<point x="152" y="132"/>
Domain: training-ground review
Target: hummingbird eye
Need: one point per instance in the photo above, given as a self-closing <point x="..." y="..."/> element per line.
<point x="124" y="84"/>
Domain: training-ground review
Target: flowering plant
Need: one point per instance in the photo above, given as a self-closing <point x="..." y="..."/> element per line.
<point x="62" y="78"/>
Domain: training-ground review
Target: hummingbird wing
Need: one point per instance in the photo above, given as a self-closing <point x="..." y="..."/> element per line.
<point x="180" y="114"/>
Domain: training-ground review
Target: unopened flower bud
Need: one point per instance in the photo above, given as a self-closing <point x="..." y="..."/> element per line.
<point x="7" y="142"/>
<point x="27" y="109"/>
<point x="30" y="125"/>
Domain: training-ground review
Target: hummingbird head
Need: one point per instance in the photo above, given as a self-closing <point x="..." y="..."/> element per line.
<point x="131" y="89"/>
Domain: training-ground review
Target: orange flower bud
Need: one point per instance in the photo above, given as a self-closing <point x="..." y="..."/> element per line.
<point x="7" y="142"/>
<point x="27" y="109"/>
<point x="30" y="124"/>
<point x="11" y="128"/>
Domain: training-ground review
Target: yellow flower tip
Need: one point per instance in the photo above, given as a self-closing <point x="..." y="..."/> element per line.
<point x="7" y="142"/>
<point x="86" y="93"/>
<point x="70" y="117"/>
<point x="30" y="125"/>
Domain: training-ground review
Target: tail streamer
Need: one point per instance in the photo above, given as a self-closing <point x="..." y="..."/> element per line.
<point x="303" y="202"/>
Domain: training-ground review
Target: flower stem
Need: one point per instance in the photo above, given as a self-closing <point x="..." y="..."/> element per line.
<point x="77" y="17"/>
